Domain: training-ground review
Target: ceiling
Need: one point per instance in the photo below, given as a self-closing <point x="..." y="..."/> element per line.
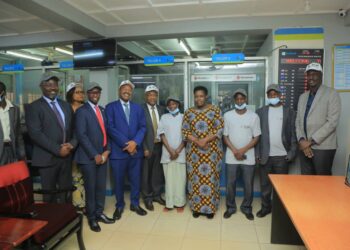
<point x="41" y="23"/>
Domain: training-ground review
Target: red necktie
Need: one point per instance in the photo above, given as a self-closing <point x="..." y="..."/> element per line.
<point x="102" y="125"/>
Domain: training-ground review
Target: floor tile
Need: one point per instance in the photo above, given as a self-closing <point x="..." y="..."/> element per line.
<point x="195" y="244"/>
<point x="125" y="241"/>
<point x="156" y="242"/>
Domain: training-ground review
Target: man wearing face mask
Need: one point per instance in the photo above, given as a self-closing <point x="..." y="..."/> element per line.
<point x="277" y="145"/>
<point x="152" y="171"/>
<point x="11" y="140"/>
<point x="49" y="122"/>
<point x="241" y="134"/>
<point x="316" y="123"/>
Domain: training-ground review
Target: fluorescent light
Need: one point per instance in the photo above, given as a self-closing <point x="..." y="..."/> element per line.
<point x="89" y="54"/>
<point x="64" y="51"/>
<point x="24" y="56"/>
<point x="184" y="46"/>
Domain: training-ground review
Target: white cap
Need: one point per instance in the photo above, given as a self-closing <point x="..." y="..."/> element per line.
<point x="151" y="88"/>
<point x="70" y="86"/>
<point x="127" y="82"/>
<point x="314" y="66"/>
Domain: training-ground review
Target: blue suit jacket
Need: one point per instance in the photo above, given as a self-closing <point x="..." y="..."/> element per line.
<point x="89" y="134"/>
<point x="120" y="132"/>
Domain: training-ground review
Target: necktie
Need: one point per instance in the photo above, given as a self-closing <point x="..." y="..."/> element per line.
<point x="59" y="119"/>
<point x="127" y="112"/>
<point x="102" y="125"/>
<point x="154" y="123"/>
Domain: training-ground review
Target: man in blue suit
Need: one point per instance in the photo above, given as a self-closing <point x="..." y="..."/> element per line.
<point x="126" y="127"/>
<point x="92" y="155"/>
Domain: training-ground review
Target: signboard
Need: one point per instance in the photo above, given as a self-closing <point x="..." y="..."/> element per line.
<point x="12" y="67"/>
<point x="227" y="58"/>
<point x="291" y="76"/>
<point x="158" y="60"/>
<point x="224" y="78"/>
<point x="341" y="67"/>
<point x="66" y="65"/>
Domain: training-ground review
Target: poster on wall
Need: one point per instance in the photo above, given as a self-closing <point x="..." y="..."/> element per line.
<point x="291" y="76"/>
<point x="341" y="68"/>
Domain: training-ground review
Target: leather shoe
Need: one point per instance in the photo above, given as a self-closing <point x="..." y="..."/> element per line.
<point x="149" y="206"/>
<point x="139" y="210"/>
<point x="210" y="216"/>
<point x="262" y="213"/>
<point x="228" y="213"/>
<point x="104" y="219"/>
<point x="118" y="213"/>
<point x="249" y="216"/>
<point x="159" y="200"/>
<point x="195" y="214"/>
<point x="94" y="226"/>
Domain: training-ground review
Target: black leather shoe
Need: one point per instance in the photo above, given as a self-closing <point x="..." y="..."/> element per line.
<point x="118" y="213"/>
<point x="210" y="216"/>
<point x="104" y="219"/>
<point x="159" y="200"/>
<point x="149" y="206"/>
<point x="249" y="216"/>
<point x="94" y="226"/>
<point x="195" y="214"/>
<point x="139" y="210"/>
<point x="228" y="213"/>
<point x="262" y="213"/>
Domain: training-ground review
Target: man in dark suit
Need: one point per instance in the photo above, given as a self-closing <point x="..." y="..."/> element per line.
<point x="152" y="171"/>
<point x="126" y="127"/>
<point x="49" y="123"/>
<point x="11" y="140"/>
<point x="277" y="146"/>
<point x="92" y="155"/>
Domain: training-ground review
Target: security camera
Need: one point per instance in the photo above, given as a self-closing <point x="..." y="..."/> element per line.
<point x="342" y="13"/>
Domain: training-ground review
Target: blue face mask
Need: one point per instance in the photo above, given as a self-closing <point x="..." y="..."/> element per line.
<point x="174" y="112"/>
<point x="273" y="101"/>
<point x="240" y="107"/>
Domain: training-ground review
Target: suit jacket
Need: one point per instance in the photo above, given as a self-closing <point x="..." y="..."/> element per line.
<point x="148" y="142"/>
<point x="288" y="134"/>
<point x="15" y="133"/>
<point x="120" y="132"/>
<point x="322" y="119"/>
<point x="46" y="133"/>
<point x="89" y="134"/>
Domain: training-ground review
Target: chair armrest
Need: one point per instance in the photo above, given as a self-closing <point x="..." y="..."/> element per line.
<point x="24" y="215"/>
<point x="56" y="191"/>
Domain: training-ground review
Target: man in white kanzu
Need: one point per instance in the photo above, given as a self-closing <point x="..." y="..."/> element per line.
<point x="241" y="134"/>
<point x="173" y="156"/>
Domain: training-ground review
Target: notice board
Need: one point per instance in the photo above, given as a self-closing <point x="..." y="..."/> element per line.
<point x="341" y="68"/>
<point x="291" y="76"/>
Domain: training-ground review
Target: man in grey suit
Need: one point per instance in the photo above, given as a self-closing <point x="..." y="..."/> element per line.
<point x="277" y="146"/>
<point x="50" y="126"/>
<point x="316" y="123"/>
<point x="11" y="140"/>
<point x="152" y="181"/>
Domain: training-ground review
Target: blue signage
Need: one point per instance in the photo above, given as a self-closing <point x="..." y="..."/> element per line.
<point x="12" y="67"/>
<point x="66" y="65"/>
<point x="158" y="60"/>
<point x="227" y="58"/>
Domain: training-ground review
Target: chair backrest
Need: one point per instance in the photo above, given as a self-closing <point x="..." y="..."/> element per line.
<point x="16" y="188"/>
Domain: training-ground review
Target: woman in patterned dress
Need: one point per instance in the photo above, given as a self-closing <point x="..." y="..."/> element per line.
<point x="202" y="129"/>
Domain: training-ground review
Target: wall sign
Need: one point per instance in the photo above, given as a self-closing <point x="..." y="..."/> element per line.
<point x="158" y="60"/>
<point x="341" y="68"/>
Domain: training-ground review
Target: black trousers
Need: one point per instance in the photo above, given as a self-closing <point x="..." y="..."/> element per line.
<point x="95" y="188"/>
<point x="57" y="176"/>
<point x="320" y="164"/>
<point x="274" y="165"/>
<point x="152" y="181"/>
<point x="232" y="173"/>
<point x="7" y="156"/>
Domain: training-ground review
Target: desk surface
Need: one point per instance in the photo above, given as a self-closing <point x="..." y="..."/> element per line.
<point x="319" y="207"/>
<point x="14" y="230"/>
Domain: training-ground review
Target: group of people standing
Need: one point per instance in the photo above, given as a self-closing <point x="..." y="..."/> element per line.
<point x="177" y="151"/>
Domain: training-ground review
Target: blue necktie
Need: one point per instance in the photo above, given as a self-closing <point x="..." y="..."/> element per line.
<point x="127" y="112"/>
<point x="59" y="119"/>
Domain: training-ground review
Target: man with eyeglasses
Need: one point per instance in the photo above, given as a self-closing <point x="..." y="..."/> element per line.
<point x="50" y="127"/>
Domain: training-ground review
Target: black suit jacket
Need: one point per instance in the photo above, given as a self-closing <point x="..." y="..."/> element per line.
<point x="148" y="142"/>
<point x="262" y="149"/>
<point x="46" y="133"/>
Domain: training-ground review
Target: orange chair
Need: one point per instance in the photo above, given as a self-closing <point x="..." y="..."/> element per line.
<point x="17" y="200"/>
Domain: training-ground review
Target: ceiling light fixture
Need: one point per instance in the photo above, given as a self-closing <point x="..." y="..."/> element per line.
<point x="12" y="53"/>
<point x="64" y="51"/>
<point x="185" y="47"/>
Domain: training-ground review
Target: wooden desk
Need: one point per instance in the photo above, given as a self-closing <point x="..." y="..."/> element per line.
<point x="315" y="207"/>
<point x="14" y="230"/>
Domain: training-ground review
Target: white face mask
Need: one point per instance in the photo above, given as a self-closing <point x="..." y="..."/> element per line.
<point x="240" y="107"/>
<point x="273" y="101"/>
<point x="174" y="112"/>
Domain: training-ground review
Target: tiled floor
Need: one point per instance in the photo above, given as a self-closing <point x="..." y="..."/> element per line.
<point x="171" y="231"/>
